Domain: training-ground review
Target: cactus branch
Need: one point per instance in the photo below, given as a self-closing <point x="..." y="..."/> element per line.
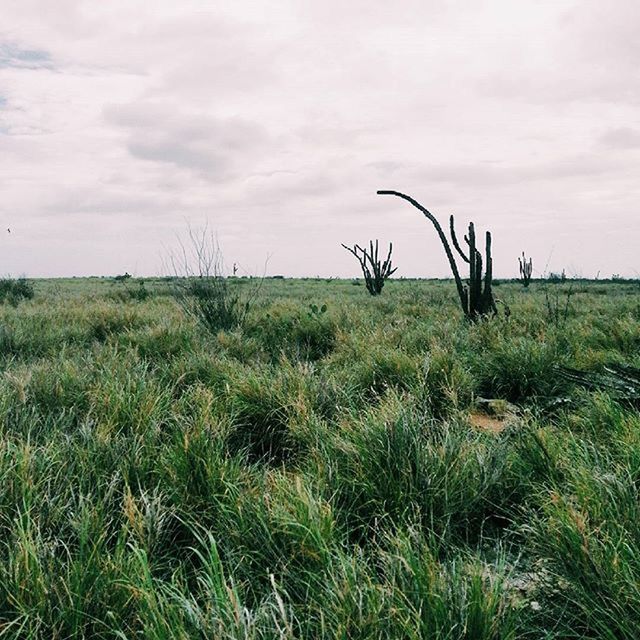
<point x="476" y="297"/>
<point x="454" y="239"/>
<point x="462" y="294"/>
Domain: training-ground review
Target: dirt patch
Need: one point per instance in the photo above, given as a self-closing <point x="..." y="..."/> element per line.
<point x="484" y="422"/>
<point x="492" y="416"/>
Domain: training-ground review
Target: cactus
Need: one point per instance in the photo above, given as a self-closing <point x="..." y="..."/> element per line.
<point x="526" y="269"/>
<point x="476" y="296"/>
<point x="375" y="273"/>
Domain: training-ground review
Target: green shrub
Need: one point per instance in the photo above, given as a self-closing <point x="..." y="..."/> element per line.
<point x="7" y="341"/>
<point x="279" y="526"/>
<point x="126" y="293"/>
<point x="111" y="321"/>
<point x="587" y="529"/>
<point x="367" y="370"/>
<point x="455" y="597"/>
<point x="162" y="342"/>
<point x="13" y="291"/>
<point x="298" y="335"/>
<point x="518" y="369"/>
<point x="396" y="465"/>
<point x="214" y="302"/>
<point x="449" y="385"/>
<point x="270" y="411"/>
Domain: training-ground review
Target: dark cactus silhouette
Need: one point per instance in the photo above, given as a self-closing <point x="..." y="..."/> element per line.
<point x="375" y="273"/>
<point x="476" y="296"/>
<point x="526" y="269"/>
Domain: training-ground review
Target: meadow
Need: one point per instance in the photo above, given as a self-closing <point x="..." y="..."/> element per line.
<point x="326" y="470"/>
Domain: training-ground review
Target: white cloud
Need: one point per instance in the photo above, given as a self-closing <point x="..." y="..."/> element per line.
<point x="277" y="120"/>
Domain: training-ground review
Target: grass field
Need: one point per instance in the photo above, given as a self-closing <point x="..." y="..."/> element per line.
<point x="318" y="473"/>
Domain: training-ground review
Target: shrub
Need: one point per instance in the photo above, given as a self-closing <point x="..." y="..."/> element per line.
<point x="203" y="291"/>
<point x="557" y="277"/>
<point x="269" y="408"/>
<point x="110" y="320"/>
<point x="13" y="291"/>
<point x="396" y="465"/>
<point x="367" y="371"/>
<point x="519" y="369"/>
<point x="587" y="529"/>
<point x="297" y="335"/>
<point x="139" y="293"/>
<point x="211" y="301"/>
<point x="7" y="341"/>
<point x="448" y="383"/>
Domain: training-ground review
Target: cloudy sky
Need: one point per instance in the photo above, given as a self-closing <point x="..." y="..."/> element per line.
<point x="275" y="121"/>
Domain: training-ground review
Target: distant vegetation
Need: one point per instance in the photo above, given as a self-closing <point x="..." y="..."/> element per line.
<point x="335" y="466"/>
<point x="13" y="291"/>
<point x="374" y="270"/>
<point x="526" y="270"/>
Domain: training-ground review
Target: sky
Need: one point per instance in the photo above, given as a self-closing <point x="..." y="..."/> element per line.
<point x="274" y="122"/>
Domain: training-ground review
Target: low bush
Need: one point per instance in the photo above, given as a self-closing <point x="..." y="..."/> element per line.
<point x="518" y="369"/>
<point x="296" y="334"/>
<point x="271" y="409"/>
<point x="218" y="303"/>
<point x="395" y="465"/>
<point x="13" y="291"/>
<point x="214" y="302"/>
<point x="366" y="371"/>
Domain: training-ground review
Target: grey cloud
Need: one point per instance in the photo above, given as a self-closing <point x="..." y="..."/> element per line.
<point x="229" y="70"/>
<point x="308" y="184"/>
<point x="165" y="147"/>
<point x="386" y="167"/>
<point x="289" y="193"/>
<point x="497" y="174"/>
<point x="218" y="149"/>
<point x="620" y="138"/>
<point x="109" y="200"/>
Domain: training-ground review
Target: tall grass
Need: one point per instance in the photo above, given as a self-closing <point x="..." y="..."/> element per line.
<point x="315" y="474"/>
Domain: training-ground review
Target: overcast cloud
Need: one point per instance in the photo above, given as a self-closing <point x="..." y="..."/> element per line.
<point x="121" y="122"/>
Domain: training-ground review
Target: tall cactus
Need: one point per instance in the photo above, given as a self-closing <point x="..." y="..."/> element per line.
<point x="476" y="296"/>
<point x="526" y="269"/>
<point x="375" y="272"/>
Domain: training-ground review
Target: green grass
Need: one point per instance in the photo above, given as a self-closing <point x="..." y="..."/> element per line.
<point x="314" y="472"/>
